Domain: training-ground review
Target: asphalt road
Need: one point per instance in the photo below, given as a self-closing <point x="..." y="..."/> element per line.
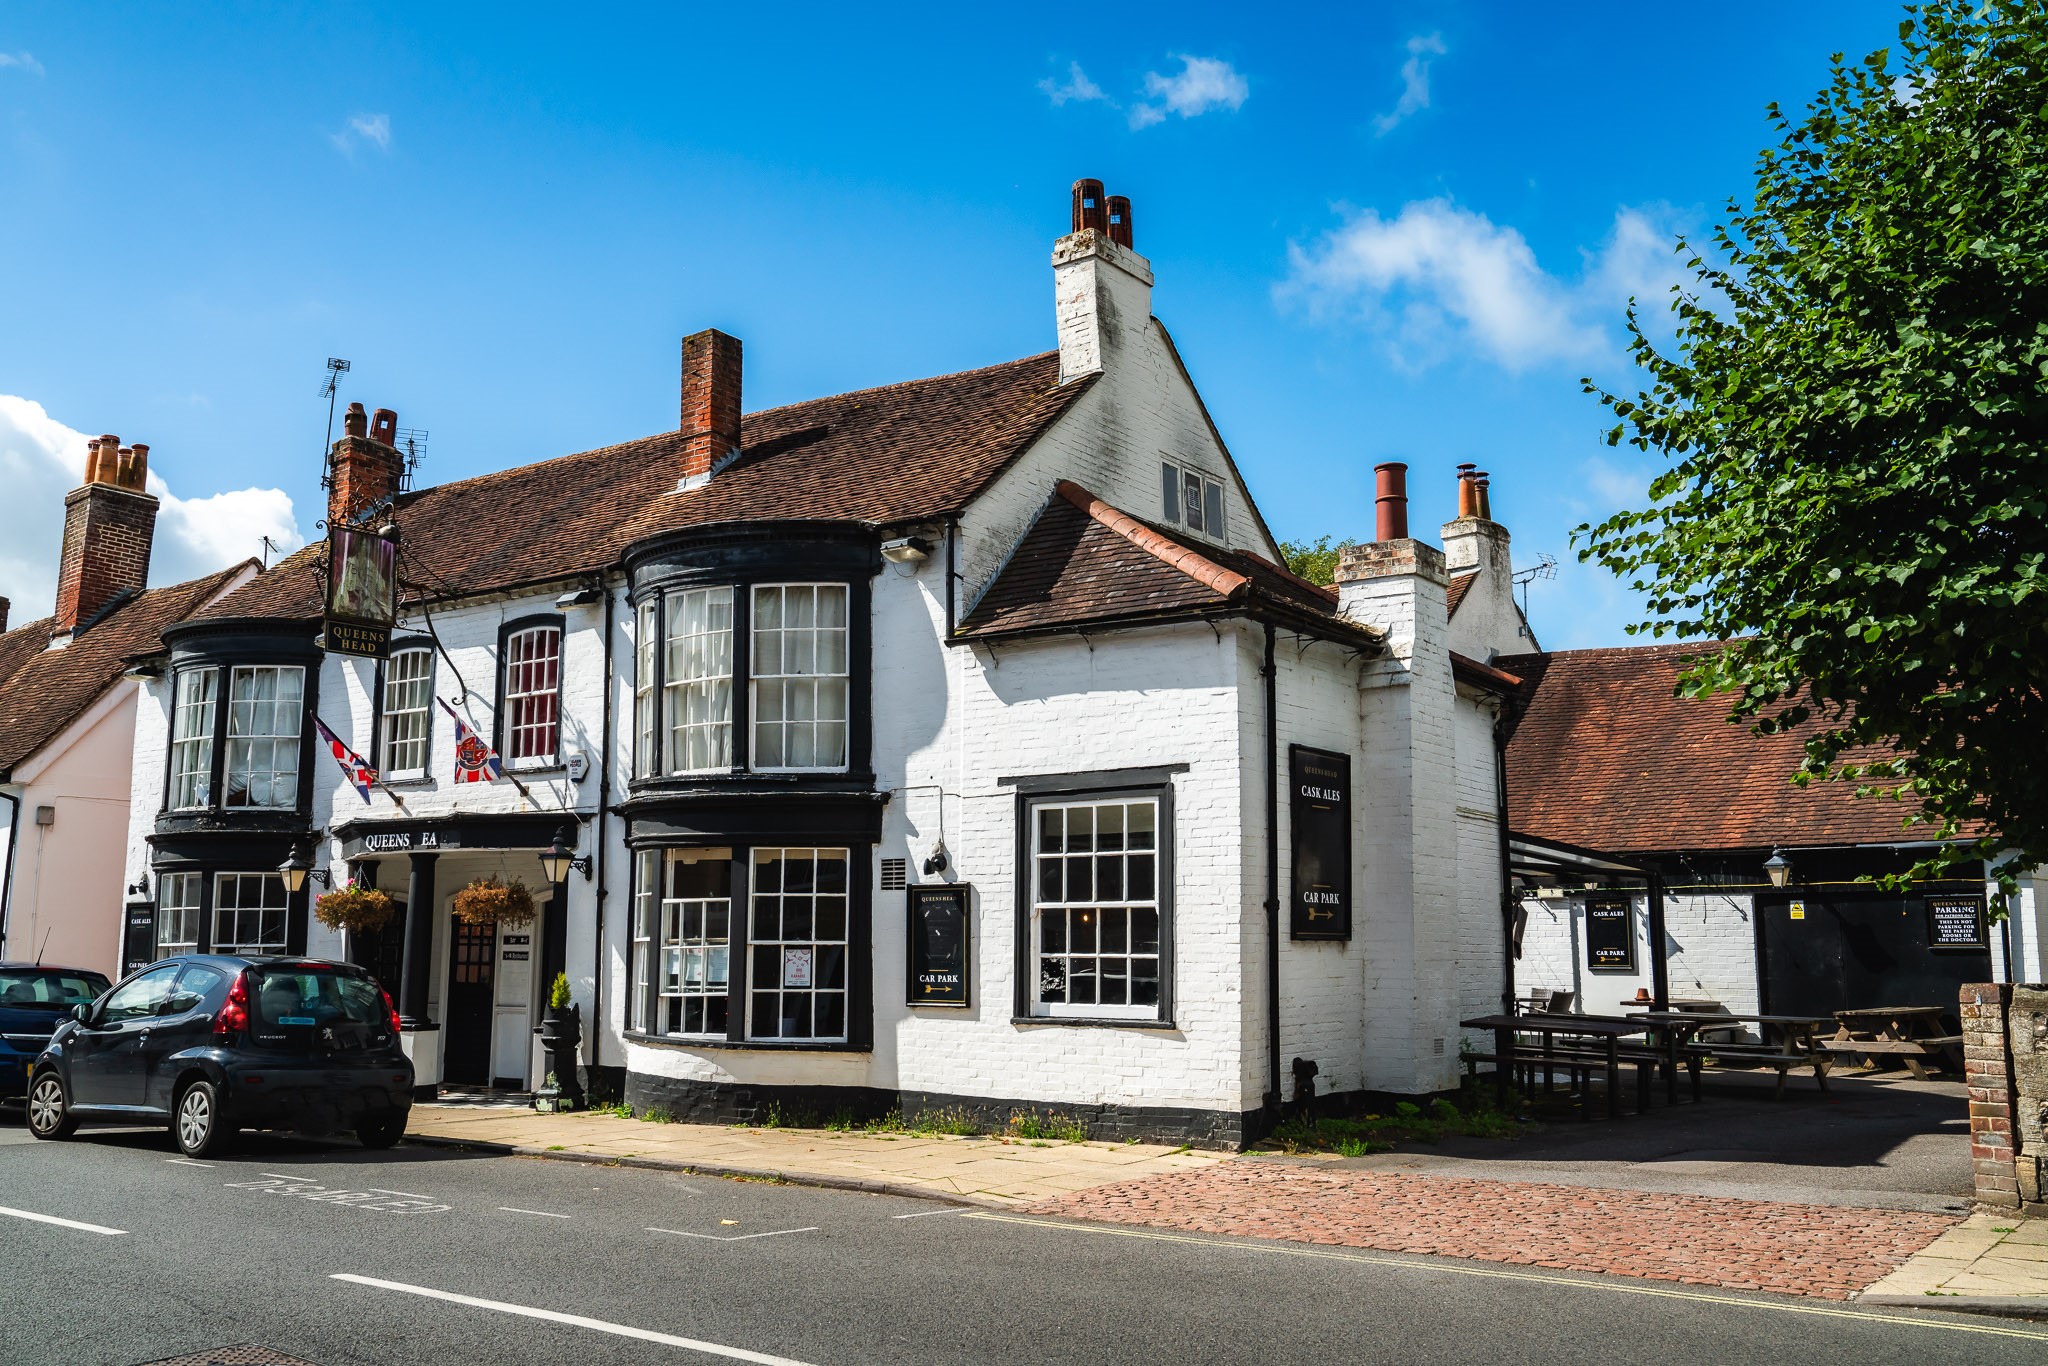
<point x="343" y="1257"/>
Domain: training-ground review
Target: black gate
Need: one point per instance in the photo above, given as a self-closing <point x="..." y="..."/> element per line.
<point x="472" y="1002"/>
<point x="1819" y="952"/>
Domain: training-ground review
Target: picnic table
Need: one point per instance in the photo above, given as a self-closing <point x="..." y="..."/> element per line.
<point x="1912" y="1034"/>
<point x="1670" y="1032"/>
<point x="1788" y="1041"/>
<point x="1605" y="1032"/>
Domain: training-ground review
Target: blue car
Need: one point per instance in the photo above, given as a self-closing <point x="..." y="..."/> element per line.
<point x="34" y="1000"/>
<point x="213" y="1043"/>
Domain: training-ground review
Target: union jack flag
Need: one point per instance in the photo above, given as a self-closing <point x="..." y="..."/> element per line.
<point x="360" y="774"/>
<point x="475" y="760"/>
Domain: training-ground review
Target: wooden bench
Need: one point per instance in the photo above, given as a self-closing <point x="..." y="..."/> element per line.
<point x="1761" y="1055"/>
<point x="1580" y="1064"/>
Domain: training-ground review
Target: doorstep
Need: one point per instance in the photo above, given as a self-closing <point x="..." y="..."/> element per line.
<point x="1994" y="1262"/>
<point x="997" y="1172"/>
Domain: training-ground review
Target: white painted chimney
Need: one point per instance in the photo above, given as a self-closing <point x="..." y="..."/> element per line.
<point x="1102" y="288"/>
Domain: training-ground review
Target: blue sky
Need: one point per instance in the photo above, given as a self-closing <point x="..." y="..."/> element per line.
<point x="1384" y="231"/>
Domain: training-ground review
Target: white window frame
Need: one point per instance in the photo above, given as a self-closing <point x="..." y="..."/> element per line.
<point x="192" y="724"/>
<point x="769" y="956"/>
<point x="177" y="908"/>
<point x="1096" y="911"/>
<point x="517" y="699"/>
<point x="801" y="657"/>
<point x="696" y="679"/>
<point x="229" y="892"/>
<point x="419" y="719"/>
<point x="1211" y="519"/>
<point x="281" y="743"/>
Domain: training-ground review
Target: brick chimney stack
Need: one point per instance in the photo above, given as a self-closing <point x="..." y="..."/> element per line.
<point x="109" y="525"/>
<point x="711" y="402"/>
<point x="364" y="468"/>
<point x="1102" y="288"/>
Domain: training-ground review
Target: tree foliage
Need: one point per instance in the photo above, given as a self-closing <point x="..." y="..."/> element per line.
<point x="1314" y="560"/>
<point x="1855" y="412"/>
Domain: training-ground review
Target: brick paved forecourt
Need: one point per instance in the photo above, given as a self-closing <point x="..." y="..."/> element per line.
<point x="1830" y="1252"/>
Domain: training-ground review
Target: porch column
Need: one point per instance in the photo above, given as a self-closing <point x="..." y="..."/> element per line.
<point x="418" y="965"/>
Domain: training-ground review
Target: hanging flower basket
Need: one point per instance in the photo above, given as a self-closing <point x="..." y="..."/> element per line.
<point x="361" y="910"/>
<point x="492" y="901"/>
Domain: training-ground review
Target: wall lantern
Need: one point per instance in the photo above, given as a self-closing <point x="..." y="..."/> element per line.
<point x="1779" y="868"/>
<point x="558" y="858"/>
<point x="297" y="868"/>
<point x="906" y="550"/>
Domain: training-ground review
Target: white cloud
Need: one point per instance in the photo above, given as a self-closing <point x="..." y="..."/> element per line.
<point x="1077" y="87"/>
<point x="370" y="128"/>
<point x="1414" y="81"/>
<point x="41" y="460"/>
<point x="21" y="61"/>
<point x="1439" y="280"/>
<point x="1202" y="84"/>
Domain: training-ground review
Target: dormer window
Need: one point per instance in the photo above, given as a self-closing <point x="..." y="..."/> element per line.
<point x="1192" y="500"/>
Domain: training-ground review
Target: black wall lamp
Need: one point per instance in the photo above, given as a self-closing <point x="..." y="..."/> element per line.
<point x="558" y="858"/>
<point x="297" y="868"/>
<point x="1778" y="868"/>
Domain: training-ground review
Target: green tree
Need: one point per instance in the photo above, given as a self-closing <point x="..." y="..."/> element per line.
<point x="1855" y="412"/>
<point x="1314" y="560"/>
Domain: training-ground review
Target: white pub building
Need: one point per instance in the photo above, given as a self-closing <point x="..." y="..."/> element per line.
<point x="959" y="743"/>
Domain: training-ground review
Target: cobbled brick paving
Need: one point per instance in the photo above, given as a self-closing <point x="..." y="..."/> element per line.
<point x="1830" y="1252"/>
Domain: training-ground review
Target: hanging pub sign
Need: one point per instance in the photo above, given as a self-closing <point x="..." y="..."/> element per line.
<point x="1610" y="934"/>
<point x="938" y="944"/>
<point x="1956" y="922"/>
<point x="362" y="591"/>
<point x="1320" y="805"/>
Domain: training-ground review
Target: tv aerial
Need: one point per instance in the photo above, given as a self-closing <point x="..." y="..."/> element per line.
<point x="1544" y="568"/>
<point x="336" y="368"/>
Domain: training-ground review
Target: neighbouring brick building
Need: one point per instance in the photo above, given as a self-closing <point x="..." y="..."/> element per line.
<point x="939" y="744"/>
<point x="67" y="719"/>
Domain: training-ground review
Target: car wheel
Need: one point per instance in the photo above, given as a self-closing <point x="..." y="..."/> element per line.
<point x="49" y="1107"/>
<point x="382" y="1133"/>
<point x="196" y="1121"/>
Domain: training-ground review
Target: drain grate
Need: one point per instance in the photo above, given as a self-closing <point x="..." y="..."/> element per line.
<point x="242" y="1354"/>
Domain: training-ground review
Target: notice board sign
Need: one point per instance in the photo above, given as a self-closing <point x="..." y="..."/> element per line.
<point x="1956" y="922"/>
<point x="1319" y="801"/>
<point x="938" y="944"/>
<point x="1610" y="934"/>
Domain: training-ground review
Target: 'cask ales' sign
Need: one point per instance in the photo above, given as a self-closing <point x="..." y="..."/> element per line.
<point x="1320" y="803"/>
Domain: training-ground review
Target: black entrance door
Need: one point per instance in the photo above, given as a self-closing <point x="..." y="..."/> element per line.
<point x="1823" y="952"/>
<point x="472" y="993"/>
<point x="382" y="950"/>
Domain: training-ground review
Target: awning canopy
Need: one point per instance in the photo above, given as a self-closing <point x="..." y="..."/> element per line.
<point x="1552" y="861"/>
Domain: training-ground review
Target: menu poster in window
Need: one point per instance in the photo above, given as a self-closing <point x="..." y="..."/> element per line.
<point x="1955" y="922"/>
<point x="362" y="592"/>
<point x="1320" y="804"/>
<point x="1610" y="934"/>
<point x="938" y="945"/>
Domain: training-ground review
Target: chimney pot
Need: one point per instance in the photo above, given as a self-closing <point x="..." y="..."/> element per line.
<point x="141" y="467"/>
<point x="1391" y="501"/>
<point x="1120" y="221"/>
<point x="355" y="422"/>
<point x="1468" y="492"/>
<point x="384" y="427"/>
<point x="710" y="401"/>
<point x="1480" y="485"/>
<point x="4" y="605"/>
<point x="1089" y="210"/>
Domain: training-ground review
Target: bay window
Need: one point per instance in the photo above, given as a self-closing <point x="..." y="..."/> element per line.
<point x="248" y="913"/>
<point x="192" y="738"/>
<point x="681" y="951"/>
<point x="532" y="692"/>
<point x="645" y="680"/>
<point x="266" y="708"/>
<point x="799" y="675"/>
<point x="1098" y="919"/>
<point x="797" y="936"/>
<point x="407" y="720"/>
<point x="177" y="914"/>
<point x="697" y="680"/>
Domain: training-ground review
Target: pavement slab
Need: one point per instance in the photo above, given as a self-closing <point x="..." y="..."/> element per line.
<point x="1993" y="1260"/>
<point x="1824" y="1251"/>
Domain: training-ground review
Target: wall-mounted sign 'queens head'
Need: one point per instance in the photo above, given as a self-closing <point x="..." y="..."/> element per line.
<point x="362" y="591"/>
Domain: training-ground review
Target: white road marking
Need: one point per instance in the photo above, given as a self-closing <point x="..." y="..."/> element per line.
<point x="187" y="1162"/>
<point x="576" y="1321"/>
<point x="1616" y="1286"/>
<point x="61" y="1223"/>
<point x="928" y="1213"/>
<point x="735" y="1238"/>
<point x="541" y="1212"/>
<point x="410" y="1195"/>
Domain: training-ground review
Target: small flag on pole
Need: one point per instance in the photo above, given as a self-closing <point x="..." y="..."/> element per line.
<point x="360" y="774"/>
<point x="475" y="760"/>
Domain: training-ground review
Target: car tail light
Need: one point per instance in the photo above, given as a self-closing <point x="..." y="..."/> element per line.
<point x="392" y="1010"/>
<point x="234" y="1016"/>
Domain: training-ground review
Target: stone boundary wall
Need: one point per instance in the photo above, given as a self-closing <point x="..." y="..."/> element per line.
<point x="2005" y="1062"/>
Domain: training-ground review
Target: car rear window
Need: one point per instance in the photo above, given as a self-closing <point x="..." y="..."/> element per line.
<point x="49" y="988"/>
<point x="316" y="1008"/>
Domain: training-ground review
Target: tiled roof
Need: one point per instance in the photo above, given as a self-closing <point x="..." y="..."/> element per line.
<point x="895" y="454"/>
<point x="1083" y="562"/>
<point x="42" y="690"/>
<point x="1604" y="756"/>
<point x="1461" y="584"/>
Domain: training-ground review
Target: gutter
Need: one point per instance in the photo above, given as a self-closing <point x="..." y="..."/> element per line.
<point x="1271" y="674"/>
<point x="7" y="895"/>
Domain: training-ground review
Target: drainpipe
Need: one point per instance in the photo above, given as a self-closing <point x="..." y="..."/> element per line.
<point x="604" y="806"/>
<point x="1508" y="903"/>
<point x="7" y="896"/>
<point x="952" y="573"/>
<point x="1271" y="674"/>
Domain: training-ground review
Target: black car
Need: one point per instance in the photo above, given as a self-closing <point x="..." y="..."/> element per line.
<point x="34" y="1000"/>
<point x="212" y="1043"/>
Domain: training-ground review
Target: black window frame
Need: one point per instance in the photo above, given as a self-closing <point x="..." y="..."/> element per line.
<point x="554" y="622"/>
<point x="1056" y="789"/>
<point x="377" y="755"/>
<point x="225" y="663"/>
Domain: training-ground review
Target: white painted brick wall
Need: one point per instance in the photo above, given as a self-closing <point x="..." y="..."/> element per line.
<point x="1711" y="937"/>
